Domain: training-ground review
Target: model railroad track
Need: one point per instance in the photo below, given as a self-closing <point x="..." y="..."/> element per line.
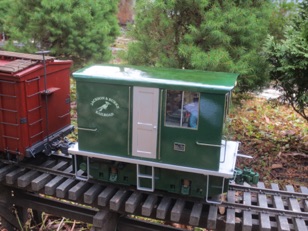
<point x="242" y="208"/>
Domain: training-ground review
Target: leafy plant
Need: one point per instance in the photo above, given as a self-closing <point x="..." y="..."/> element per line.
<point x="207" y="35"/>
<point x="289" y="62"/>
<point x="78" y="30"/>
<point x="283" y="11"/>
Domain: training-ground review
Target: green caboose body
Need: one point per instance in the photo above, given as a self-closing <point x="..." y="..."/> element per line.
<point x="155" y="128"/>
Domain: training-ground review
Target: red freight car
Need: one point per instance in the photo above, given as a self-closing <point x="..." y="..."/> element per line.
<point x="34" y="102"/>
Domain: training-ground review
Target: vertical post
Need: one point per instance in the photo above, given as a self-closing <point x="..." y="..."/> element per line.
<point x="8" y="219"/>
<point x="43" y="53"/>
<point x="105" y="220"/>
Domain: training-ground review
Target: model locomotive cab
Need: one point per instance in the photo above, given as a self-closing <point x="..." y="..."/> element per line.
<point x="155" y="128"/>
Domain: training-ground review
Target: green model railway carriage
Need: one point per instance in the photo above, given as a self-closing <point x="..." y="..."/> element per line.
<point x="154" y="128"/>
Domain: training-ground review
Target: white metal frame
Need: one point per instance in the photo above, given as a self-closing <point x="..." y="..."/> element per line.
<point x="226" y="169"/>
<point x="145" y="176"/>
<point x="207" y="191"/>
<point x="77" y="175"/>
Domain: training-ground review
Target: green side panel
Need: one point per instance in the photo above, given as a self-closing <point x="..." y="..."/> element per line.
<point x="209" y="132"/>
<point x="101" y="170"/>
<point x="103" y="117"/>
<point x="211" y="118"/>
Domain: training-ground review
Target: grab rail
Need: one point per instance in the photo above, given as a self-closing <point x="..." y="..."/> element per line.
<point x="210" y="145"/>
<point x="87" y="129"/>
<point x="62" y="116"/>
<point x="216" y="146"/>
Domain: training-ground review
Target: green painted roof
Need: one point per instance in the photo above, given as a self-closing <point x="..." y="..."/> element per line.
<point x="193" y="80"/>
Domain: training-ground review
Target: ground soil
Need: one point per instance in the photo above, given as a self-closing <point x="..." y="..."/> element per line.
<point x="276" y="137"/>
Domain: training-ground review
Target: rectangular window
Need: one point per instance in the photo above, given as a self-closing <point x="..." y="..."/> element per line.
<point x="182" y="109"/>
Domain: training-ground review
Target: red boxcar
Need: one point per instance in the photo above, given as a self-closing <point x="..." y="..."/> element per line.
<point x="34" y="104"/>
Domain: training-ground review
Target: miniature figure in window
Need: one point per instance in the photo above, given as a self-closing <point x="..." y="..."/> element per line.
<point x="182" y="109"/>
<point x="193" y="109"/>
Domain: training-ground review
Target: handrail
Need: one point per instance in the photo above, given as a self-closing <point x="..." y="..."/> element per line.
<point x="160" y="123"/>
<point x="10" y="82"/>
<point x="62" y="116"/>
<point x="11" y="96"/>
<point x="128" y="120"/>
<point x="11" y="137"/>
<point x="10" y="124"/>
<point x="87" y="129"/>
<point x="216" y="146"/>
<point x="9" y="110"/>
<point x="34" y="94"/>
<point x="210" y="145"/>
<point x="37" y="134"/>
<point x="33" y="109"/>
<point x="32" y="80"/>
<point x="35" y="122"/>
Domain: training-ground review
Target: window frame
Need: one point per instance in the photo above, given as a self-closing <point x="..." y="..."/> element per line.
<point x="180" y="125"/>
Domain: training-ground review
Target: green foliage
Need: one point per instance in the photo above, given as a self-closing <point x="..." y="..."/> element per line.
<point x="282" y="12"/>
<point x="207" y="34"/>
<point x="304" y="22"/>
<point x="4" y="7"/>
<point x="79" y="30"/>
<point x="289" y="60"/>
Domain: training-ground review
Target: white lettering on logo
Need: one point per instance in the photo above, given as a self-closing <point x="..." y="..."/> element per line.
<point x="106" y="106"/>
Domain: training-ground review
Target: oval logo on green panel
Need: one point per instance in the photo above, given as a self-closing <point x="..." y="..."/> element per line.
<point x="104" y="106"/>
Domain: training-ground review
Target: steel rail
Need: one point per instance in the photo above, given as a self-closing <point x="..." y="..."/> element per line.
<point x="268" y="210"/>
<point x="195" y="211"/>
<point x="267" y="191"/>
<point x="232" y="186"/>
<point x="42" y="169"/>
